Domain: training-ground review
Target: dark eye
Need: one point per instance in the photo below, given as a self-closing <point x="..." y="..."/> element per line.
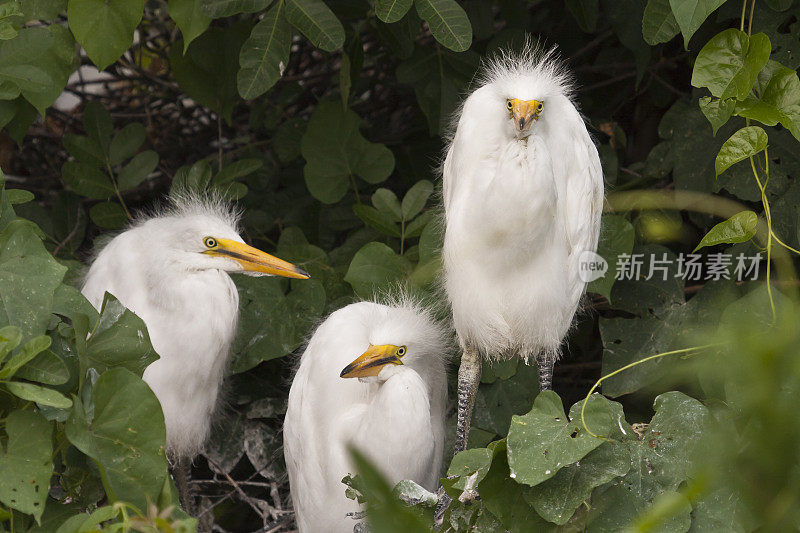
<point x="401" y="351"/>
<point x="210" y="242"/>
<point x="509" y="105"/>
<point x="539" y="107"/>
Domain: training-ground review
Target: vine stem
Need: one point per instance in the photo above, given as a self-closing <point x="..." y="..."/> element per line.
<point x="750" y="19"/>
<point x="770" y="232"/>
<point x="116" y="189"/>
<point x="741" y="23"/>
<point x="627" y="367"/>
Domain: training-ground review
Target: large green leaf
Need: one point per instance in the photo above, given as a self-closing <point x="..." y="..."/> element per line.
<point x="36" y="393"/>
<point x="448" y="23"/>
<point x="104" y="28"/>
<point x="226" y="8"/>
<point x="658" y="24"/>
<point x="45" y="368"/>
<point x="264" y="54"/>
<point x="335" y="150"/>
<point x="743" y="144"/>
<point x="119" y="339"/>
<point x="730" y="62"/>
<point x="717" y="111"/>
<point x="544" y="440"/>
<point x="137" y="170"/>
<point x="125" y="436"/>
<point x="29" y="276"/>
<point x="415" y="199"/>
<point x="778" y="90"/>
<point x="392" y="10"/>
<point x="87" y="180"/>
<point x="108" y="215"/>
<point x="126" y="143"/>
<point x="28" y="351"/>
<point x="317" y="22"/>
<point x="739" y="228"/>
<point x="374" y="266"/>
<point x="27" y="463"/>
<point x="690" y="14"/>
<point x="190" y="18"/>
<point x="557" y="498"/>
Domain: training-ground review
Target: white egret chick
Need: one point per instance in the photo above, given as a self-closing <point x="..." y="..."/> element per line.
<point x="171" y="269"/>
<point x="523" y="196"/>
<point x="394" y="412"/>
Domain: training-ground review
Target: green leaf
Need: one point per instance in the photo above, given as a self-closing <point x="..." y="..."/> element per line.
<point x="335" y="150"/>
<point x="226" y="8"/>
<point x="658" y="24"/>
<point x="287" y="138"/>
<point x="190" y="18"/>
<point x="730" y="62"/>
<point x="264" y="54"/>
<point x="104" y="28"/>
<point x="119" y="339"/>
<point x="448" y="23"/>
<point x="38" y="394"/>
<point x="557" y="498"/>
<point x="415" y="199"/>
<point x="37" y="62"/>
<point x="616" y="238"/>
<point x="717" y="111"/>
<point x="317" y="22"/>
<point x="374" y="266"/>
<point x="126" y="437"/>
<point x="108" y="215"/>
<point x="778" y="89"/>
<point x="137" y="170"/>
<point x="19" y="196"/>
<point x="10" y="337"/>
<point x="26" y="464"/>
<point x="29" y="350"/>
<point x="207" y="71"/>
<point x="377" y="219"/>
<point x="194" y="178"/>
<point x="741" y="227"/>
<point x="84" y="149"/>
<point x="236" y="170"/>
<point x="29" y="276"/>
<point x="585" y="13"/>
<point x="126" y="143"/>
<point x="98" y="125"/>
<point x="690" y="14"/>
<point x="392" y="10"/>
<point x="743" y="144"/>
<point x="45" y="368"/>
<point x="543" y="441"/>
<point x="87" y="180"/>
<point x="387" y="203"/>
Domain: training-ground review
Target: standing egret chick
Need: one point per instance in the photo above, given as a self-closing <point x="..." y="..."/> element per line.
<point x="394" y="412"/>
<point x="171" y="269"/>
<point x="523" y="196"/>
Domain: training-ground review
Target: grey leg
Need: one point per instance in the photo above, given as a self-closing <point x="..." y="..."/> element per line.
<point x="544" y="365"/>
<point x="182" y="474"/>
<point x="469" y="377"/>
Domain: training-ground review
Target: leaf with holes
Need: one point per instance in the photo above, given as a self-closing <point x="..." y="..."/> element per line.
<point x="27" y="463"/>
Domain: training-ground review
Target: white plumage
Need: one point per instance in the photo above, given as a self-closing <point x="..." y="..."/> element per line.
<point x="523" y="196"/>
<point x="396" y="418"/>
<point x="171" y="269"/>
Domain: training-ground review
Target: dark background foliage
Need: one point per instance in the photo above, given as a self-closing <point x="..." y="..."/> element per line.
<point x="327" y="124"/>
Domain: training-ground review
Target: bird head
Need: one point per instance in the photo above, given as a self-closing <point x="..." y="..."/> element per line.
<point x="523" y="113"/>
<point x="207" y="239"/>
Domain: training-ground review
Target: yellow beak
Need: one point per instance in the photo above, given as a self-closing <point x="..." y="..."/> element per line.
<point x="254" y="260"/>
<point x="373" y="360"/>
<point x="525" y="112"/>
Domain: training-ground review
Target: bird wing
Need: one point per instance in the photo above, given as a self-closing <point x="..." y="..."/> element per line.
<point x="581" y="202"/>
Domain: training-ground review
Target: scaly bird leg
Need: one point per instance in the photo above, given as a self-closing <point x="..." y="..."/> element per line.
<point x="469" y="377"/>
<point x="182" y="474"/>
<point x="544" y="366"/>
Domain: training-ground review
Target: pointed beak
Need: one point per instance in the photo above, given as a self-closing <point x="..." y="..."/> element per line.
<point x="371" y="362"/>
<point x="254" y="260"/>
<point x="524" y="112"/>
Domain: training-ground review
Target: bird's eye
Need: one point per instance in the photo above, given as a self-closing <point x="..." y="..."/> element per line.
<point x="539" y="107"/>
<point x="509" y="105"/>
<point x="210" y="242"/>
<point x="401" y="351"/>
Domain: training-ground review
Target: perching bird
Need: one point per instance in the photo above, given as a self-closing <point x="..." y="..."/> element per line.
<point x="523" y="196"/>
<point x="171" y="269"/>
<point x="394" y="413"/>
